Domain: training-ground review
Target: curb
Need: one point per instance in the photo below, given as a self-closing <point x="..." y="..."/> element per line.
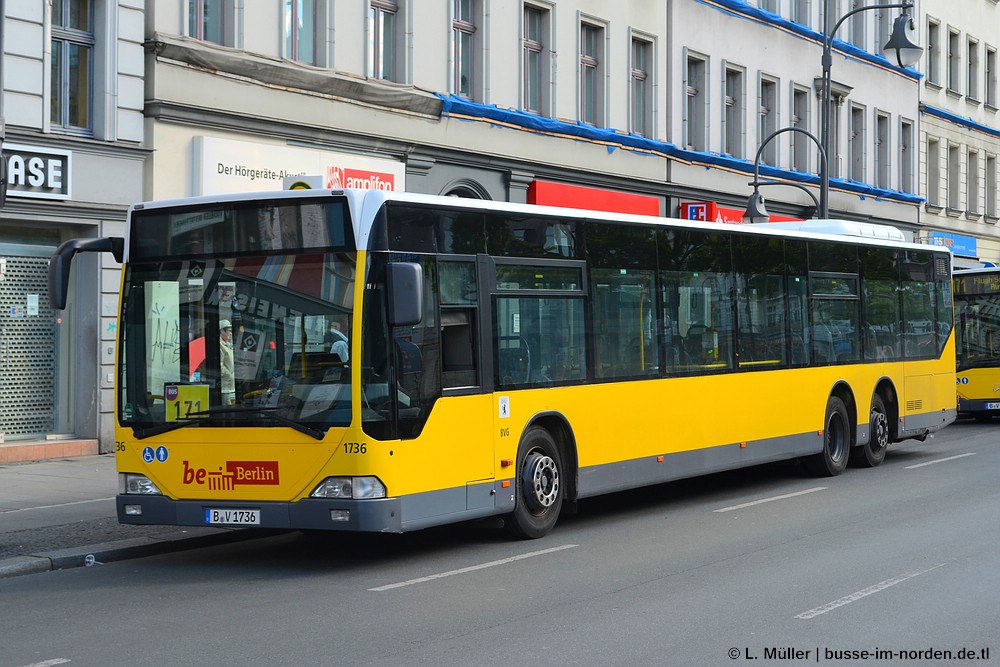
<point x="107" y="552"/>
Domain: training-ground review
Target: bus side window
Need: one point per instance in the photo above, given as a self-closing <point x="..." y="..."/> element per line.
<point x="458" y="358"/>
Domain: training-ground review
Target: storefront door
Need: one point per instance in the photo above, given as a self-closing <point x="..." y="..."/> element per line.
<point x="31" y="406"/>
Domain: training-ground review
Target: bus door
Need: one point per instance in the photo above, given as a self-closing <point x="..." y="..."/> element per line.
<point x="462" y="323"/>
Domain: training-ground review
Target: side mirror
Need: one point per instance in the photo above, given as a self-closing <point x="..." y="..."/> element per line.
<point x="60" y="262"/>
<point x="406" y="289"/>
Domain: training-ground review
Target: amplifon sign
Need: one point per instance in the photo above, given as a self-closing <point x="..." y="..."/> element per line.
<point x="339" y="177"/>
<point x="38" y="173"/>
<point x="225" y="165"/>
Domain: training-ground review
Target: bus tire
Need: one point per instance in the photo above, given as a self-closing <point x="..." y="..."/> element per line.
<point x="873" y="453"/>
<point x="539" y="486"/>
<point x="836" y="442"/>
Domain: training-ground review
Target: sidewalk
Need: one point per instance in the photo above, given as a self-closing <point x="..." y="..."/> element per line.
<point x="60" y="513"/>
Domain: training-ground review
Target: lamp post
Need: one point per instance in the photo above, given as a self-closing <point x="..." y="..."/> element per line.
<point x="900" y="50"/>
<point x="756" y="212"/>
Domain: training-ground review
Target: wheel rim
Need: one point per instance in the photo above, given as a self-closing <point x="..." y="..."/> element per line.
<point x="836" y="437"/>
<point x="880" y="430"/>
<point x="541" y="481"/>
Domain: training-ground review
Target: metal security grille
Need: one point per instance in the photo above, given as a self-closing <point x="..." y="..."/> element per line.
<point x="27" y="348"/>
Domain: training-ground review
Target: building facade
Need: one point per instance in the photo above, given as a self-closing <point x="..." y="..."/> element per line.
<point x="72" y="102"/>
<point x="960" y="128"/>
<point x="656" y="107"/>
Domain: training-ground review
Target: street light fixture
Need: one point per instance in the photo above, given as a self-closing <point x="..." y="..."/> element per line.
<point x="900" y="50"/>
<point x="756" y="211"/>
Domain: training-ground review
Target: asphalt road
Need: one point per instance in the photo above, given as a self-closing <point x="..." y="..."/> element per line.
<point x="762" y="566"/>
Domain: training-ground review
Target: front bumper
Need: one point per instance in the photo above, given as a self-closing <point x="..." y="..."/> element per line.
<point x="378" y="515"/>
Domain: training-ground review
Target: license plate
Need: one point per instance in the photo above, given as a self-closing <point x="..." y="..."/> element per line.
<point x="993" y="406"/>
<point x="231" y="517"/>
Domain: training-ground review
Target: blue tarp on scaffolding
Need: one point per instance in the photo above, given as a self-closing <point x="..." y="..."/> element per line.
<point x="452" y="105"/>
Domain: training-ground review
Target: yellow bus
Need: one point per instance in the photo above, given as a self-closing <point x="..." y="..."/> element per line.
<point x="496" y="359"/>
<point x="977" y="342"/>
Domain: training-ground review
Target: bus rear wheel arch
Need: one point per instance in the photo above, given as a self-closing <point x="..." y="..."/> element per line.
<point x="837" y="440"/>
<point x="541" y="485"/>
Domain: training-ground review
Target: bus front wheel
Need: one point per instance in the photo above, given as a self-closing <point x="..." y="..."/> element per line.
<point x="836" y="442"/>
<point x="873" y="453"/>
<point x="539" y="486"/>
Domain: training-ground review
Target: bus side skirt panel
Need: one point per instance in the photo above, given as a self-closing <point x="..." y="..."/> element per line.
<point x="611" y="477"/>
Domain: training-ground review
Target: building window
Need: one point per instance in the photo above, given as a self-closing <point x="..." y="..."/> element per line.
<point x="591" y="74"/>
<point x="834" y="156"/>
<point x="906" y="156"/>
<point x="934" y="53"/>
<point x="954" y="61"/>
<point x="733" y="113"/>
<point x="933" y="172"/>
<point x="991" y="186"/>
<point x="991" y="77"/>
<point x="537" y="59"/>
<point x="382" y="20"/>
<point x="300" y="30"/>
<point x="883" y="27"/>
<point x="768" y="120"/>
<point x="972" y="70"/>
<point x="801" y="145"/>
<point x="829" y="12"/>
<point x="72" y="65"/>
<point x="696" y="108"/>
<point x="954" y="177"/>
<point x="858" y="25"/>
<point x="212" y="21"/>
<point x="641" y="87"/>
<point x="770" y="6"/>
<point x="882" y="150"/>
<point x="857" y="144"/>
<point x="800" y="12"/>
<point x="972" y="184"/>
<point x="463" y="28"/>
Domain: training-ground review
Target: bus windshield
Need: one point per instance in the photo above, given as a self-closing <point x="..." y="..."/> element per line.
<point x="977" y="319"/>
<point x="242" y="318"/>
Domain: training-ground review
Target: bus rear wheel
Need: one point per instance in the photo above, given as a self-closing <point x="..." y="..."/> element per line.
<point x="539" y="485"/>
<point x="836" y="442"/>
<point x="873" y="453"/>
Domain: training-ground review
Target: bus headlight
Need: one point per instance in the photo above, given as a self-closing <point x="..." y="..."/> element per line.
<point x="350" y="487"/>
<point x="130" y="482"/>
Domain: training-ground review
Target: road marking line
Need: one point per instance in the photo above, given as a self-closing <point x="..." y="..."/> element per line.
<point x="767" y="500"/>
<point x="472" y="568"/>
<point x="863" y="593"/>
<point x="930" y="463"/>
<point x="48" y="507"/>
<point x="50" y="663"/>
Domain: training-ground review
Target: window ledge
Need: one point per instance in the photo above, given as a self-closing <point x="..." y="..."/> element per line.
<point x="974" y="216"/>
<point x="933" y="208"/>
<point x="954" y="94"/>
<point x="991" y="219"/>
<point x="991" y="107"/>
<point x="933" y="85"/>
<point x="954" y="212"/>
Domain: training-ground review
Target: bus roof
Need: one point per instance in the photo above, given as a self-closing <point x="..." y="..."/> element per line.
<point x="372" y="200"/>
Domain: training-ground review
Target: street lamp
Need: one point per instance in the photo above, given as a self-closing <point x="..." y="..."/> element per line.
<point x="900" y="50"/>
<point x="756" y="211"/>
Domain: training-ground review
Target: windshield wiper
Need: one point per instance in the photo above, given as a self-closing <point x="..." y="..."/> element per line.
<point x="141" y="433"/>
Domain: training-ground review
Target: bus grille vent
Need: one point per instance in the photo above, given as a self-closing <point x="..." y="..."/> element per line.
<point x="914" y="405"/>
